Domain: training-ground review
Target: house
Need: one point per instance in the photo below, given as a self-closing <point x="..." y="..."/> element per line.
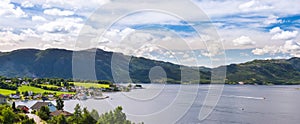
<point x="241" y="83"/>
<point x="2" y="99"/>
<point x="81" y="96"/>
<point x="37" y="106"/>
<point x="14" y="96"/>
<point x="59" y="112"/>
<point x="8" y="81"/>
<point x="25" y="83"/>
<point x="37" y="96"/>
<point x="63" y="89"/>
<point x="23" y="108"/>
<point x="66" y="96"/>
<point x="50" y="96"/>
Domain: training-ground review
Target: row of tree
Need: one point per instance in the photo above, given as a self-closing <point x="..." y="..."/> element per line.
<point x="4" y="85"/>
<point x="83" y="116"/>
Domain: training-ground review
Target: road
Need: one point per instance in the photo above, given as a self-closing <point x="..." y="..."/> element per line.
<point x="36" y="118"/>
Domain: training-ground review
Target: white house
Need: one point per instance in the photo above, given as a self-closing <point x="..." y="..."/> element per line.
<point x="14" y="96"/>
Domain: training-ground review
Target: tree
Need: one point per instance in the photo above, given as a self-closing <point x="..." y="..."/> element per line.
<point x="95" y="114"/>
<point x="87" y="118"/>
<point x="58" y="120"/>
<point x="14" y="106"/>
<point x="60" y="104"/>
<point x="26" y="93"/>
<point x="44" y="113"/>
<point x="8" y="116"/>
<point x="114" y="117"/>
<point x="77" y="114"/>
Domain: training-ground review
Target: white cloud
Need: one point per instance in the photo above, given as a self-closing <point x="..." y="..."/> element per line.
<point x="38" y="18"/>
<point x="27" y="4"/>
<point x="212" y="50"/>
<point x="62" y="25"/>
<point x="254" y="5"/>
<point x="150" y="18"/>
<point x="57" y="12"/>
<point x="290" y="47"/>
<point x="272" y="20"/>
<point x="79" y="4"/>
<point x="243" y="41"/>
<point x="29" y="33"/>
<point x="266" y="50"/>
<point x="275" y="30"/>
<point x="8" y="38"/>
<point x="10" y="10"/>
<point x="116" y="34"/>
<point x="280" y="34"/>
<point x="46" y="6"/>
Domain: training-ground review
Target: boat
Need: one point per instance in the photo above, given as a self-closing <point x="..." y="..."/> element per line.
<point x="101" y="97"/>
<point x="81" y="96"/>
<point x="98" y="95"/>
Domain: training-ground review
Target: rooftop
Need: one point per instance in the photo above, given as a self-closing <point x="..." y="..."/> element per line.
<point x="58" y="112"/>
<point x="38" y="105"/>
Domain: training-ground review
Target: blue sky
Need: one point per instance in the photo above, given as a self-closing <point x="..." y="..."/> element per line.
<point x="247" y="29"/>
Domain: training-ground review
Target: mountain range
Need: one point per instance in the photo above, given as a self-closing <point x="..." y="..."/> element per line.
<point x="57" y="63"/>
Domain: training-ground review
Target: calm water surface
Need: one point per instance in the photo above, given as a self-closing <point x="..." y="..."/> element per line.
<point x="174" y="104"/>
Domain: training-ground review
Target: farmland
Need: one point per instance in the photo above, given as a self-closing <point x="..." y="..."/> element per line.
<point x="39" y="90"/>
<point x="7" y="92"/>
<point x="89" y="85"/>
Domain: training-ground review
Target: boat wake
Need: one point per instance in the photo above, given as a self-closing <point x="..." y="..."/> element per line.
<point x="244" y="97"/>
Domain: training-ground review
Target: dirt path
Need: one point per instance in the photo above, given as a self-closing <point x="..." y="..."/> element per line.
<point x="36" y="118"/>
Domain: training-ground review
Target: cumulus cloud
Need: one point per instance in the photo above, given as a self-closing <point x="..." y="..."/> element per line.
<point x="57" y="12"/>
<point x="29" y="33"/>
<point x="8" y="38"/>
<point x="8" y="9"/>
<point x="212" y="50"/>
<point x="243" y="41"/>
<point x="280" y="34"/>
<point x="62" y="25"/>
<point x="290" y="47"/>
<point x="275" y="30"/>
<point x="79" y="4"/>
<point x="38" y="18"/>
<point x="27" y="4"/>
<point x="266" y="50"/>
<point x="117" y="34"/>
<point x="272" y="20"/>
<point x="254" y="5"/>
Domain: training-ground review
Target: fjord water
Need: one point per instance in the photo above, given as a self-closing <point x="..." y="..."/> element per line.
<point x="238" y="104"/>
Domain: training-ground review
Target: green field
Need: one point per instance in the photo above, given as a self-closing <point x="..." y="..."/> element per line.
<point x="89" y="85"/>
<point x="49" y="86"/>
<point x="39" y="90"/>
<point x="6" y="92"/>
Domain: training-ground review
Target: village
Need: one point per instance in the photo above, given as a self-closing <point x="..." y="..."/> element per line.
<point x="51" y="93"/>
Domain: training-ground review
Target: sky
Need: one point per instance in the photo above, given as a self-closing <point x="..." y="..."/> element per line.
<point x="244" y="30"/>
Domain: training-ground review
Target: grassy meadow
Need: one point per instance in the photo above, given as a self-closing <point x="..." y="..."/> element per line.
<point x="89" y="85"/>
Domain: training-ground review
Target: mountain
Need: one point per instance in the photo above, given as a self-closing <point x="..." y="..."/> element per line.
<point x="276" y="71"/>
<point x="57" y="63"/>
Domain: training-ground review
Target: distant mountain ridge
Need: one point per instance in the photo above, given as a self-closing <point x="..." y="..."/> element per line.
<point x="274" y="71"/>
<point x="57" y="63"/>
